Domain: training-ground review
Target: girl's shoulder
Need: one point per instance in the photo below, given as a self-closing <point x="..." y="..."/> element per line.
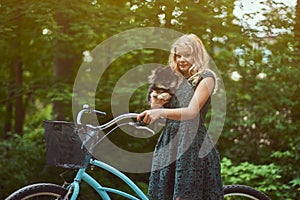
<point x="196" y="79"/>
<point x="207" y="73"/>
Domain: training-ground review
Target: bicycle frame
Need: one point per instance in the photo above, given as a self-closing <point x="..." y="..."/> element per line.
<point x="82" y="175"/>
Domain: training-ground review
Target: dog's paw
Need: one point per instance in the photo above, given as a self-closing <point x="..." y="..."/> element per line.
<point x="164" y="96"/>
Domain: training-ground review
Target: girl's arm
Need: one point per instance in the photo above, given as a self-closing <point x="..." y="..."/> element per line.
<point x="201" y="94"/>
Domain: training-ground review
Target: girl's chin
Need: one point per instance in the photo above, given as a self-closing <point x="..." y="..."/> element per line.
<point x="184" y="68"/>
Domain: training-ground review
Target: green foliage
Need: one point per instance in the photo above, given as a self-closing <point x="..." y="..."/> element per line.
<point x="23" y="157"/>
<point x="263" y="108"/>
<point x="265" y="178"/>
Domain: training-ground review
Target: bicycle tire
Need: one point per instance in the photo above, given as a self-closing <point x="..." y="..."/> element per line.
<point x="243" y="192"/>
<point x="39" y="191"/>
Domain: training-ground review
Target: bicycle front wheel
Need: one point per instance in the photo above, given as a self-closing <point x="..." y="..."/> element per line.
<point x="39" y="191"/>
<point x="243" y="192"/>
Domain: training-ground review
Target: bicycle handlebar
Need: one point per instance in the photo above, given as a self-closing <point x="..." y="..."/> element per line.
<point x="87" y="109"/>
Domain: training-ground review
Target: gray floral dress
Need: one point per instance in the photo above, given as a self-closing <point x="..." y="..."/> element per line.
<point x="178" y="171"/>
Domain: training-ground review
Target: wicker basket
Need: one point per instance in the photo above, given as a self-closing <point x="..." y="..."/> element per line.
<point x="64" y="146"/>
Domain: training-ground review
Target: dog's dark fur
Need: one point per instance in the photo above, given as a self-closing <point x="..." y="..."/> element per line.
<point x="163" y="84"/>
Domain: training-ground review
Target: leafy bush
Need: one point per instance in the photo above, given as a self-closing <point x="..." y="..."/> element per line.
<point x="21" y="161"/>
<point x="265" y="177"/>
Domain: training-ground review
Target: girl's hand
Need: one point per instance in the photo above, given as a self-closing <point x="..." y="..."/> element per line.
<point x="150" y="116"/>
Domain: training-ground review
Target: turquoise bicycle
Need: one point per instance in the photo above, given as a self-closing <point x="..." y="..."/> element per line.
<point x="68" y="146"/>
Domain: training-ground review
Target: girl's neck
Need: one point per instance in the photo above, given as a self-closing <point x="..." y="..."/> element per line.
<point x="186" y="75"/>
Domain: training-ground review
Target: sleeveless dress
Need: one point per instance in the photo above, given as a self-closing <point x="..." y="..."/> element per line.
<point x="178" y="171"/>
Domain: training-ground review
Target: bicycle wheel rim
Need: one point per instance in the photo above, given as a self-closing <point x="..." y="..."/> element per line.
<point x="242" y="192"/>
<point x="42" y="191"/>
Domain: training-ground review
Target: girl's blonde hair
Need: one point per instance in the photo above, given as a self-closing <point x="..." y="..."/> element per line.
<point x="202" y="60"/>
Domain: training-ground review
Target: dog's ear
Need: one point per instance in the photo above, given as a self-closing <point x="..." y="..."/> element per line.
<point x="159" y="69"/>
<point x="155" y="73"/>
<point x="151" y="78"/>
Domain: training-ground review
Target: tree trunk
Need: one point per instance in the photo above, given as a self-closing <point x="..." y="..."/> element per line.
<point x="8" y="109"/>
<point x="63" y="61"/>
<point x="19" y="108"/>
<point x="296" y="109"/>
<point x="18" y="80"/>
<point x="297" y="26"/>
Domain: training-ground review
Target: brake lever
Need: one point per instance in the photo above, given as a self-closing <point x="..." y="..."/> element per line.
<point x="141" y="125"/>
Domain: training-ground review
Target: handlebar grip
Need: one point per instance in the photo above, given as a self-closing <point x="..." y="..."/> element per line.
<point x="141" y="123"/>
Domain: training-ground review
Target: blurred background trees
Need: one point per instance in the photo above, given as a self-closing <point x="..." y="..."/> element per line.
<point x="256" y="51"/>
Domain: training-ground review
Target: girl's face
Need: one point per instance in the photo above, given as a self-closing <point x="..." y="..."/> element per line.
<point x="184" y="60"/>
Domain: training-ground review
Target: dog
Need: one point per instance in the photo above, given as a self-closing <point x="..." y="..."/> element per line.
<point x="163" y="84"/>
